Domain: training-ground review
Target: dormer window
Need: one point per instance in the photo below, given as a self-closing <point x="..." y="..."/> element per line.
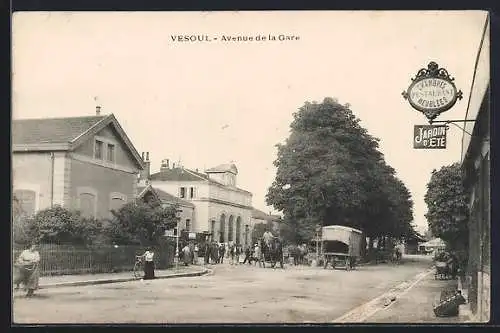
<point x="110" y="156"/>
<point x="98" y="149"/>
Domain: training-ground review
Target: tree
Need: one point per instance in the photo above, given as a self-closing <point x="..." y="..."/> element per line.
<point x="329" y="171"/>
<point x="140" y="222"/>
<point x="448" y="210"/>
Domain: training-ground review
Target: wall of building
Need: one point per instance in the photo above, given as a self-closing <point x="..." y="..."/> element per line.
<point x="123" y="157"/>
<point x="33" y="171"/>
<point x="217" y="210"/>
<point x="173" y="188"/>
<point x="103" y="183"/>
<point x="231" y="195"/>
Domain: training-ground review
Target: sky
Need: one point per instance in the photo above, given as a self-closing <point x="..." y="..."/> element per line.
<point x="210" y="102"/>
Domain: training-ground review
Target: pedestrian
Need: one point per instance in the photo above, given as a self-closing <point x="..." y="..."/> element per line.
<point x="208" y="251"/>
<point x="268" y="236"/>
<point x="28" y="262"/>
<point x="248" y="255"/>
<point x="186" y="255"/>
<point x="149" y="265"/>
<point x="257" y="254"/>
<point x="195" y="254"/>
<point x="222" y="251"/>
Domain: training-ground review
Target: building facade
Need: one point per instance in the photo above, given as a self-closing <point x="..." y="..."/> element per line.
<point x="83" y="163"/>
<point x="186" y="208"/>
<point x="476" y="176"/>
<point x="221" y="208"/>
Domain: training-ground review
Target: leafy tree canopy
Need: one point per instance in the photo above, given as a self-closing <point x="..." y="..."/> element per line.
<point x="447" y="206"/>
<point x="330" y="171"/>
<point x="140" y="222"/>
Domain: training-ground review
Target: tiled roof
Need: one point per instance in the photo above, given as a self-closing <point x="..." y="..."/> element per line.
<point x="165" y="197"/>
<point x="51" y="130"/>
<point x="178" y="174"/>
<point x="186" y="175"/>
<point x="228" y="167"/>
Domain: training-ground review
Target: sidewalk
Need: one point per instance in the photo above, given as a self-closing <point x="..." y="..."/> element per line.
<point x="92" y="279"/>
<point x="415" y="305"/>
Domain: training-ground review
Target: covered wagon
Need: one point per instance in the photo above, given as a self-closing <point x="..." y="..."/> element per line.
<point x="341" y="246"/>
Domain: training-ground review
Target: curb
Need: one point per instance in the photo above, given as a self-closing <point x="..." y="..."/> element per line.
<point x="117" y="280"/>
<point x="363" y="312"/>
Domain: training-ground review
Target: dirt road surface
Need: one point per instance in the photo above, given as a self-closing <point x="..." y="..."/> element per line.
<point x="232" y="294"/>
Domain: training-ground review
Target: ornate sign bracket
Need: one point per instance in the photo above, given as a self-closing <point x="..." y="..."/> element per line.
<point x="453" y="122"/>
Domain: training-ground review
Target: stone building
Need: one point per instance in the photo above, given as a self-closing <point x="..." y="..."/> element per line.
<point x="222" y="209"/>
<point x="85" y="163"/>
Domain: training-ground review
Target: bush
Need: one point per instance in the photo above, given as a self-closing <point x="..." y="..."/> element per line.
<point x="60" y="226"/>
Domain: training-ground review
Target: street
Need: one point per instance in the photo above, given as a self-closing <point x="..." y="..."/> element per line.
<point x="232" y="294"/>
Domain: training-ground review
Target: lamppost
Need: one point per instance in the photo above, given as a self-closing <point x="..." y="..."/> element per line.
<point x="178" y="211"/>
<point x="318" y="229"/>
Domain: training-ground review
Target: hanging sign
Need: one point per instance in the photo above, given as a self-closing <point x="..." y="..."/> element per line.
<point x="429" y="136"/>
<point x="432" y="91"/>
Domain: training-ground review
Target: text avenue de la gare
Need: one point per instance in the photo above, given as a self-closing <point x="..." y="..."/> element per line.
<point x="233" y="38"/>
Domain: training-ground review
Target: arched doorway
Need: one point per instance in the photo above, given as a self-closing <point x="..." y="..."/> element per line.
<point x="222" y="228"/>
<point x="230" y="231"/>
<point x="238" y="230"/>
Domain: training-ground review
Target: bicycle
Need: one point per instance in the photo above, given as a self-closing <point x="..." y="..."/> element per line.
<point x="138" y="267"/>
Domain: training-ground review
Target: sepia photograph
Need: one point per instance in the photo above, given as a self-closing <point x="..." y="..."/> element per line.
<point x="250" y="167"/>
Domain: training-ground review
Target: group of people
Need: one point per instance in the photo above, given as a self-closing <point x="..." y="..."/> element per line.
<point x="236" y="253"/>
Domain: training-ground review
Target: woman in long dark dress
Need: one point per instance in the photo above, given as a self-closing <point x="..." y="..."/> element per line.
<point x="149" y="265"/>
<point x="28" y="262"/>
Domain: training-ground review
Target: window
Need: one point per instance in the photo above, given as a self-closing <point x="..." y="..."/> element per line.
<point x="182" y="193"/>
<point x="87" y="204"/>
<point x="117" y="200"/>
<point x="212" y="228"/>
<point x="230" y="229"/>
<point x="98" y="149"/>
<point x="111" y="153"/>
<point x="191" y="192"/>
<point x="188" y="225"/>
<point x="24" y="202"/>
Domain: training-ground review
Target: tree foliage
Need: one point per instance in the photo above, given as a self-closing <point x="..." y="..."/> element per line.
<point x="448" y="210"/>
<point x="139" y="222"/>
<point x="57" y="225"/>
<point x="330" y="171"/>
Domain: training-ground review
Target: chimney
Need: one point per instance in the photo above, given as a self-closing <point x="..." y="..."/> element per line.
<point x="164" y="165"/>
<point x="144" y="175"/>
<point x="98" y="110"/>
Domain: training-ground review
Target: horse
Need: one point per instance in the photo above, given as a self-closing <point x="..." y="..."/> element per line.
<point x="272" y="253"/>
<point x="396" y="256"/>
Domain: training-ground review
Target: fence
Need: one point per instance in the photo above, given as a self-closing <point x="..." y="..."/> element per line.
<point x="56" y="259"/>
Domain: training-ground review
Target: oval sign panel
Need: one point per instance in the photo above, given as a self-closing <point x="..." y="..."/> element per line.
<point x="432" y="92"/>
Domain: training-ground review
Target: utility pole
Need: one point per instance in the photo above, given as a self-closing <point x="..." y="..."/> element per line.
<point x="177" y="239"/>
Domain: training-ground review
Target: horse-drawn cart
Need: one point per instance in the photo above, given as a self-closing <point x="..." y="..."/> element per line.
<point x="340" y="246"/>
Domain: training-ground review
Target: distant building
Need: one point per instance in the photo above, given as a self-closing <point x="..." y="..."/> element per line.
<point x="221" y="208"/>
<point x="186" y="214"/>
<point x="85" y="163"/>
